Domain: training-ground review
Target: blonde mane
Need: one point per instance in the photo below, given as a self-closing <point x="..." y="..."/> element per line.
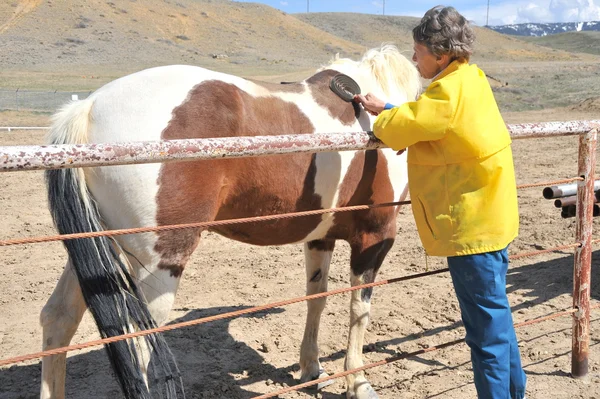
<point x="384" y="71"/>
<point x="392" y="70"/>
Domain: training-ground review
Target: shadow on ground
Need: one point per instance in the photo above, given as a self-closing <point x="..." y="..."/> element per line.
<point x="206" y="352"/>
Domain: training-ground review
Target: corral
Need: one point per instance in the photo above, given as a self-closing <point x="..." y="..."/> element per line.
<point x="257" y="353"/>
<point x="389" y="335"/>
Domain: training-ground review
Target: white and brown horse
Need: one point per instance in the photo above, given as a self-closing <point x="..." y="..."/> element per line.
<point x="130" y="282"/>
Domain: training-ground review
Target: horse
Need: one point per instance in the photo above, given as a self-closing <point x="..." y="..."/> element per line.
<point x="129" y="282"/>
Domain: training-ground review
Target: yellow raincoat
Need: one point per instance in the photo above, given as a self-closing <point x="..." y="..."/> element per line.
<point x="460" y="167"/>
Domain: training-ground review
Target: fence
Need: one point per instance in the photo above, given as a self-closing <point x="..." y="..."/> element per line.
<point x="31" y="100"/>
<point x="67" y="156"/>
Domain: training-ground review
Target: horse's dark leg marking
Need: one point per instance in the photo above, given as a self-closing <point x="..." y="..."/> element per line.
<point x="366" y="258"/>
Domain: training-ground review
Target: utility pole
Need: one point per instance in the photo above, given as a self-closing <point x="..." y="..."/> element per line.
<point x="487" y="17"/>
<point x="308" y="3"/>
<point x="383" y="7"/>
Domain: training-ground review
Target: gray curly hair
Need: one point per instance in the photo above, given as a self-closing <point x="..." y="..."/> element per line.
<point x="445" y="31"/>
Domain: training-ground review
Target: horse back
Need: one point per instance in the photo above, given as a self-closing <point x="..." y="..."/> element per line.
<point x="188" y="102"/>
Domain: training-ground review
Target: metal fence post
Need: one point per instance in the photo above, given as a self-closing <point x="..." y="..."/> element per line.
<point x="583" y="254"/>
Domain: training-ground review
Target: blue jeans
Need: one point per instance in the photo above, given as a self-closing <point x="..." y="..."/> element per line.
<point x="480" y="285"/>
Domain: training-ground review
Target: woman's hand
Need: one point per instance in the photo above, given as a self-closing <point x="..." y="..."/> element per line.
<point x="370" y="103"/>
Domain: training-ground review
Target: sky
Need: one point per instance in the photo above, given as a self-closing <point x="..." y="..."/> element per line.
<point x="501" y="12"/>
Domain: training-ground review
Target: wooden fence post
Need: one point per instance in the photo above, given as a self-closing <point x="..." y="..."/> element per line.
<point x="583" y="254"/>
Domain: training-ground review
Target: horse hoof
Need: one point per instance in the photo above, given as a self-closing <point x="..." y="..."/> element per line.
<point x="324" y="384"/>
<point x="320" y="385"/>
<point x="364" y="391"/>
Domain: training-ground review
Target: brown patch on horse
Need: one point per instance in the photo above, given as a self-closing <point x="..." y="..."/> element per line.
<point x="290" y="87"/>
<point x="175" y="249"/>
<point x="367" y="182"/>
<point x="346" y="112"/>
<point x="321" y="245"/>
<point x="234" y="188"/>
<point x="368" y="259"/>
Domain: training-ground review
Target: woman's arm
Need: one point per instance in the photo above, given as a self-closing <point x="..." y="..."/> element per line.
<point x="426" y="119"/>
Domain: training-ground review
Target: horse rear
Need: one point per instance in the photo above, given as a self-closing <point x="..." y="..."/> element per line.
<point x="130" y="282"/>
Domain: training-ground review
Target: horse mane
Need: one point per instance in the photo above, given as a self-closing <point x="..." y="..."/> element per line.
<point x="395" y="75"/>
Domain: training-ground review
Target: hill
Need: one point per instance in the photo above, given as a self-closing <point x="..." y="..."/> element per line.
<point x="101" y="36"/>
<point x="371" y="30"/>
<point x="81" y="44"/>
<point x="580" y="42"/>
<point x="94" y="34"/>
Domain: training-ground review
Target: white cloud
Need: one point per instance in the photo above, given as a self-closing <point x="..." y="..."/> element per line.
<point x="377" y="4"/>
<point x="283" y="3"/>
<point x="500" y="14"/>
<point x="575" y="10"/>
<point x="521" y="11"/>
<point x="532" y="13"/>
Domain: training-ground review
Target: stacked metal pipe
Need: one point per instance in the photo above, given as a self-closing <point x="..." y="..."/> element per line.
<point x="565" y="197"/>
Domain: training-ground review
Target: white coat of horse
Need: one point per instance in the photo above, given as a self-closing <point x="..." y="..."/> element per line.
<point x="130" y="282"/>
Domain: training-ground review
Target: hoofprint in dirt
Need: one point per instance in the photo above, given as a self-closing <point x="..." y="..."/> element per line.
<point x="258" y="353"/>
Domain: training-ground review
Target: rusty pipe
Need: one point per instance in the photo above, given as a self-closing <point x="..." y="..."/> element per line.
<point x="57" y="156"/>
<point x="570" y="211"/>
<point x="572" y="200"/>
<point x="15" y="158"/>
<point x="564" y="190"/>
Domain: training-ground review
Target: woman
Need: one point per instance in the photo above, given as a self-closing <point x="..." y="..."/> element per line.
<point x="463" y="190"/>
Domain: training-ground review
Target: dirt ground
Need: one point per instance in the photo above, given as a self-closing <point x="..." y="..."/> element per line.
<point x="258" y="353"/>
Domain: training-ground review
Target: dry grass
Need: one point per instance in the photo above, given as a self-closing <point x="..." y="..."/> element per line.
<point x="25" y="118"/>
<point x="103" y="37"/>
<point x="583" y="42"/>
<point x="83" y="44"/>
<point x="372" y="30"/>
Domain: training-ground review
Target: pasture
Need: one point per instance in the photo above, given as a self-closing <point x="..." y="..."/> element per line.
<point x="244" y="357"/>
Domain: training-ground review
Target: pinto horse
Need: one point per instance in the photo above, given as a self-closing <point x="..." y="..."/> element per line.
<point x="130" y="282"/>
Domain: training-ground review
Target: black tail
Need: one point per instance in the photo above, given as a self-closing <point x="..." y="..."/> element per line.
<point x="110" y="293"/>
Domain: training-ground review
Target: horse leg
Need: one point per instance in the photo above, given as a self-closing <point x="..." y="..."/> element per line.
<point x="59" y="319"/>
<point x="366" y="258"/>
<point x="318" y="257"/>
<point x="158" y="273"/>
<point x="159" y="288"/>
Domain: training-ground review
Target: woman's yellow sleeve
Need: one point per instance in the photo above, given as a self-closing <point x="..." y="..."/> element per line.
<point x="426" y="119"/>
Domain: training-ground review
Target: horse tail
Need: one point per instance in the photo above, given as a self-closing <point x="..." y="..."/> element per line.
<point x="110" y="292"/>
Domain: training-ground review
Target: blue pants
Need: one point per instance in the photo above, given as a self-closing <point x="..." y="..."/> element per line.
<point x="480" y="285"/>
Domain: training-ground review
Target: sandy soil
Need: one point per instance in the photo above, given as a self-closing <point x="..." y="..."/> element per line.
<point x="244" y="357"/>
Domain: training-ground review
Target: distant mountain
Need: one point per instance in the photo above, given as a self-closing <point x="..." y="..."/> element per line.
<point x="539" y="29"/>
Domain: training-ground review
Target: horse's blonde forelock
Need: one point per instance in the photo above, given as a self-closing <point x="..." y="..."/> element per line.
<point x="384" y="70"/>
<point x="393" y="71"/>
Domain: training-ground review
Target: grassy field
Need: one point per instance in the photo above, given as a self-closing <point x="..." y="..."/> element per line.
<point x="535" y="86"/>
<point x="579" y="42"/>
<point x="97" y="42"/>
